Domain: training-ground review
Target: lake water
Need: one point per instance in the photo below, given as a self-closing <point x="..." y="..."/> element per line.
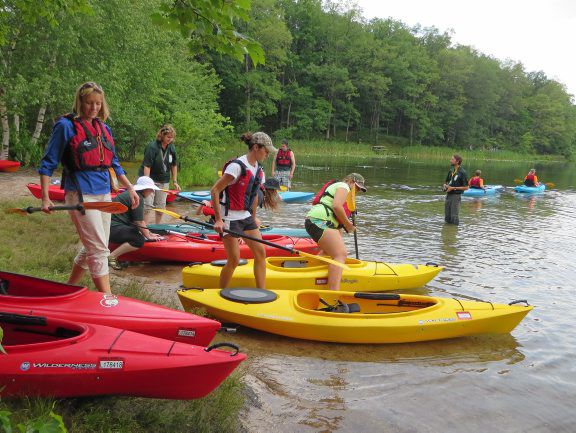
<point x="506" y="248"/>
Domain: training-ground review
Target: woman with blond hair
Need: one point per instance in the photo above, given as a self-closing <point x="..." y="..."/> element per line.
<point x="83" y="143"/>
<point x="160" y="163"/>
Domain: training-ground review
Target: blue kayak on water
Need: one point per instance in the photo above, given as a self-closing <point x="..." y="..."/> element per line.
<point x="530" y="189"/>
<point x="191" y="228"/>
<point x="285" y="196"/>
<point x="478" y="192"/>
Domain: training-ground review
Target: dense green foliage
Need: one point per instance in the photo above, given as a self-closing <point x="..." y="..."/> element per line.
<point x="329" y="74"/>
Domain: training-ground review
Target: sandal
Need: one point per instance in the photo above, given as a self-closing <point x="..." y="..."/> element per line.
<point x="113" y="263"/>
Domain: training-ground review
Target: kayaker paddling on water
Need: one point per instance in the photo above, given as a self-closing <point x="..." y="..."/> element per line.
<point x="326" y="218"/>
<point x="84" y="145"/>
<point x="237" y="193"/>
<point x="531" y="179"/>
<point x="129" y="229"/>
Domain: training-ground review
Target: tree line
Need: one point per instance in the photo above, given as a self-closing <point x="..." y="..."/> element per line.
<point x="294" y="68"/>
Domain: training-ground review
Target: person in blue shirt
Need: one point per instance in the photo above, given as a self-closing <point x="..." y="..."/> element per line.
<point x="85" y="147"/>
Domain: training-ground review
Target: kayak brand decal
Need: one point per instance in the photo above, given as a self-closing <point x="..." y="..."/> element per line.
<point x="109" y="300"/>
<point x="464" y="315"/>
<point x="70" y="365"/>
<point x="321" y="281"/>
<point x="111" y="364"/>
<point x="439" y="320"/>
<point x="25" y="366"/>
<point x="186" y="333"/>
<point x="347" y="281"/>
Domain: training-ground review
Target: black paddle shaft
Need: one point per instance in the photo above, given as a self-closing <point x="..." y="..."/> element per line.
<point x="78" y="207"/>
<point x="242" y="235"/>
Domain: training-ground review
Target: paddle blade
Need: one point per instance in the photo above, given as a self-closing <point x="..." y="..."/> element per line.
<point x="550" y="185"/>
<point x="322" y="259"/>
<point x="351" y="199"/>
<point x="518" y="181"/>
<point x="16" y="210"/>
<point x="169" y="212"/>
<point x="283" y="188"/>
<point x="106" y="206"/>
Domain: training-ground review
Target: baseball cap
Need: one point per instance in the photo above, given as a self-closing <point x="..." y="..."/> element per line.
<point x="144" y="182"/>
<point x="358" y="180"/>
<point x="272" y="183"/>
<point x="263" y="139"/>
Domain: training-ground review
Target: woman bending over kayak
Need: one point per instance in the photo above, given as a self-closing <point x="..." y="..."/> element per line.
<point x="237" y="193"/>
<point x="326" y="219"/>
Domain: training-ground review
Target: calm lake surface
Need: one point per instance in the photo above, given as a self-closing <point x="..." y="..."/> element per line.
<point x="506" y="248"/>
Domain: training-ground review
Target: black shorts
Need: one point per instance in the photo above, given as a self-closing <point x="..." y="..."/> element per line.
<point x="122" y="234"/>
<point x="240" y="226"/>
<point x="313" y="230"/>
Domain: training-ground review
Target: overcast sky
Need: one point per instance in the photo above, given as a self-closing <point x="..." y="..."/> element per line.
<point x="538" y="34"/>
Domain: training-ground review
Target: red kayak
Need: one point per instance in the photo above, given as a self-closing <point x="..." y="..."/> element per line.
<point x="29" y="295"/>
<point x="9" y="166"/>
<point x="194" y="247"/>
<point x="46" y="356"/>
<point x="56" y="193"/>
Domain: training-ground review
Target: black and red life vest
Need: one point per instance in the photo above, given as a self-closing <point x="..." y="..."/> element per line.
<point x="91" y="148"/>
<point x="530" y="180"/>
<point x="475" y="182"/>
<point x="323" y="193"/>
<point x="283" y="158"/>
<point x="241" y="194"/>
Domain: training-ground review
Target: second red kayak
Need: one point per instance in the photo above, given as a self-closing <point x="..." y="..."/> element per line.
<point x="9" y="166"/>
<point x="35" y="296"/>
<point x="193" y="247"/>
<point x="57" y="194"/>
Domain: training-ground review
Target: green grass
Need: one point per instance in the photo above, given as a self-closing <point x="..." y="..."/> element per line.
<point x="43" y="246"/>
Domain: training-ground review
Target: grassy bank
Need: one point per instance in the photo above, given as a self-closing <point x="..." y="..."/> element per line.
<point x="43" y="246"/>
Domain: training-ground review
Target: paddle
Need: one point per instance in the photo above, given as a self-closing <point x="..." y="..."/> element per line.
<point x="102" y="206"/>
<point x="262" y="241"/>
<point x="351" y="202"/>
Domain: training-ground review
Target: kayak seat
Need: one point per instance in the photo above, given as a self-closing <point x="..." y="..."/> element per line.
<point x="248" y="295"/>
<point x="3" y="287"/>
<point x="294" y="264"/>
<point x="340" y="307"/>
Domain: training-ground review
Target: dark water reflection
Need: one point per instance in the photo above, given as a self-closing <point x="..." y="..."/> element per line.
<point x="507" y="247"/>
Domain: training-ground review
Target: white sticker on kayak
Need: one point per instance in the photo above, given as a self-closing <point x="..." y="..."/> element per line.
<point x="321" y="281"/>
<point x="463" y="315"/>
<point x="109" y="300"/>
<point x="186" y="333"/>
<point x="111" y="364"/>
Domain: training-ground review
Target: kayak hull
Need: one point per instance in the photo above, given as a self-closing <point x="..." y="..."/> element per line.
<point x="56" y="193"/>
<point x="408" y="318"/>
<point x="192" y="248"/>
<point x="35" y="296"/>
<point x="489" y="190"/>
<point x="285" y="196"/>
<point x="530" y="189"/>
<point x="66" y="359"/>
<point x="9" y="166"/>
<point x="295" y="273"/>
<point x="190" y="228"/>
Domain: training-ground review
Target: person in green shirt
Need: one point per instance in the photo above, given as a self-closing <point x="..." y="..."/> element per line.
<point x="329" y="215"/>
<point x="129" y="229"/>
<point x="160" y="163"/>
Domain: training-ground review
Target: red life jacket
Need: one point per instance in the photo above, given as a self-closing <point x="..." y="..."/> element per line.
<point x="475" y="182"/>
<point x="241" y="194"/>
<point x="529" y="180"/>
<point x="87" y="151"/>
<point x="323" y="193"/>
<point x="283" y="158"/>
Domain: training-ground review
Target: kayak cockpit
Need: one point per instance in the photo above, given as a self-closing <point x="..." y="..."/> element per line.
<point x="23" y="330"/>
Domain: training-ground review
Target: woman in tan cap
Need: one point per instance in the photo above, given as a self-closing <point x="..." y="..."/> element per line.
<point x="330" y="214"/>
<point x="237" y="193"/>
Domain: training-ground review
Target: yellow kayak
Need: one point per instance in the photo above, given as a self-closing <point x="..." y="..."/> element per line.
<point x="355" y="317"/>
<point x="295" y="273"/>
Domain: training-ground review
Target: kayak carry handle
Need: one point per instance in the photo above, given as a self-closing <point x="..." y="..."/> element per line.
<point x="227" y="329"/>
<point x="3" y="287"/>
<point x="378" y="296"/>
<point x="218" y="345"/>
<point x="21" y="319"/>
<point x="519" y="301"/>
<point x="432" y="264"/>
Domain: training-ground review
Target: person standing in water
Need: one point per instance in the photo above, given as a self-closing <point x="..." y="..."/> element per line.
<point x="455" y="184"/>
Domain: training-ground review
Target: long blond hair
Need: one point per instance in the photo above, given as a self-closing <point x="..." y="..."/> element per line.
<point x="83" y="91"/>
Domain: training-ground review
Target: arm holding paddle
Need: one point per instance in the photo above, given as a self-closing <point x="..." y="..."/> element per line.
<point x="338" y="207"/>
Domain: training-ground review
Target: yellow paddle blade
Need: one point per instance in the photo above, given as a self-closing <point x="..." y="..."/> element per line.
<point x="220" y="173"/>
<point x="283" y="188"/>
<point x="550" y="184"/>
<point x="168" y="212"/>
<point x="518" y="181"/>
<point x="323" y="259"/>
<point x="351" y="199"/>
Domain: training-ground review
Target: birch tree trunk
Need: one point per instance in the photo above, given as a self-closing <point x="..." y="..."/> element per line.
<point x="5" y="149"/>
<point x="39" y="125"/>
